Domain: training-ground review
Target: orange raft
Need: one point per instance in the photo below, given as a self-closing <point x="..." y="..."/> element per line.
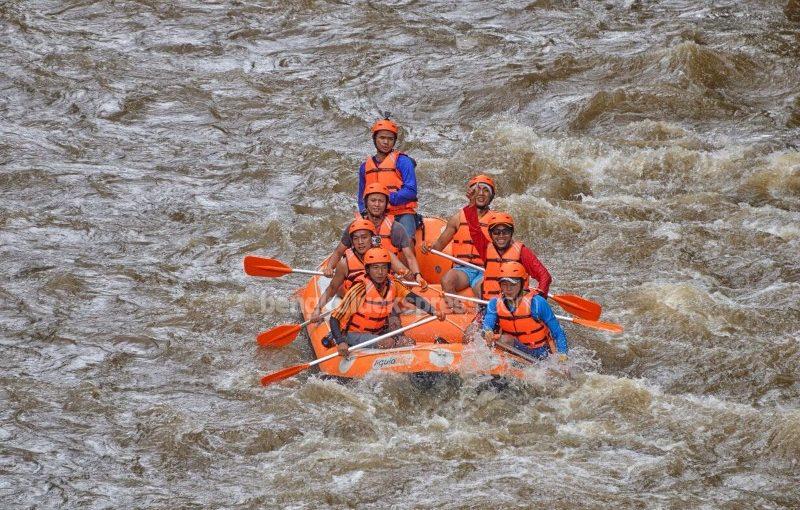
<point x="439" y="347"/>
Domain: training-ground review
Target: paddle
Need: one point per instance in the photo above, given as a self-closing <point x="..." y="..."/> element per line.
<point x="284" y="334"/>
<point x="602" y="326"/>
<point x="296" y="369"/>
<point x="271" y="268"/>
<point x="571" y="303"/>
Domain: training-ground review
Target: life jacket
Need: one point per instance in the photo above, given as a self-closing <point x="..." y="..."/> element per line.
<point x="385" y="231"/>
<point x="462" y="247"/>
<point x="374" y="310"/>
<point x="387" y="174"/>
<point x="355" y="269"/>
<point x="522" y="326"/>
<point x="491" y="277"/>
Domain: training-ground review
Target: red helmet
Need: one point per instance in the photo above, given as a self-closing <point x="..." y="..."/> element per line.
<point x="481" y="179"/>
<point x="376" y="187"/>
<point x="361" y="225"/>
<point x="377" y="256"/>
<point x="386" y="124"/>
<point x="499" y="218"/>
<point x="514" y="270"/>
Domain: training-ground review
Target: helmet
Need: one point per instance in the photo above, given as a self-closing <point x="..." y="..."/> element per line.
<point x="377" y="256"/>
<point x="361" y="225"/>
<point x="514" y="270"/>
<point x="499" y="218"/>
<point x="481" y="179"/>
<point x="375" y="187"/>
<point x="386" y="124"/>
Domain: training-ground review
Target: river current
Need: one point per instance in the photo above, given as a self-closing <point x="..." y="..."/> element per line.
<point x="649" y="152"/>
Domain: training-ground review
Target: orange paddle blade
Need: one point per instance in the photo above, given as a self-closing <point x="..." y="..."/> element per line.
<point x="279" y="335"/>
<point x="578" y="306"/>
<point x="282" y="374"/>
<point x="604" y="326"/>
<point x="261" y="266"/>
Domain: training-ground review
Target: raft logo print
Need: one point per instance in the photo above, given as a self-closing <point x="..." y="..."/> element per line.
<point x="393" y="361"/>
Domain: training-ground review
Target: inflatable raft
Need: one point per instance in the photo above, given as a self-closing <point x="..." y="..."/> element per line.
<point x="439" y="345"/>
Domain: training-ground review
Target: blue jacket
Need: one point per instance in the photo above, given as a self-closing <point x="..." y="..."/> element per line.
<point x="540" y="310"/>
<point x="407" y="193"/>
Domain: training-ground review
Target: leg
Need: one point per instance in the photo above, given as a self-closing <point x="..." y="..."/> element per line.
<point x="409" y="222"/>
<point x="401" y="340"/>
<point x="454" y="281"/>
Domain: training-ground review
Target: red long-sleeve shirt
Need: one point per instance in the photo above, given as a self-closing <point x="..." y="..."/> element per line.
<point x="527" y="258"/>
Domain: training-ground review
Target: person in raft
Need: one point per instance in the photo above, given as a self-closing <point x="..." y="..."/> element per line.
<point x="393" y="236"/>
<point x="350" y="268"/>
<point x="368" y="308"/>
<point x="524" y="319"/>
<point x="501" y="247"/>
<point x="394" y="170"/>
<point x="480" y="192"/>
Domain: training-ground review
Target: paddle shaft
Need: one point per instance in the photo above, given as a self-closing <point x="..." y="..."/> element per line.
<point x="376" y="339"/>
<point x="307" y="271"/>
<point x="309" y="321"/>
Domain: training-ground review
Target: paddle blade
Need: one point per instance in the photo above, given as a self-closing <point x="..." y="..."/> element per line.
<point x="285" y="373"/>
<point x="578" y="306"/>
<point x="279" y="335"/>
<point x="260" y="266"/>
<point x="603" y="326"/>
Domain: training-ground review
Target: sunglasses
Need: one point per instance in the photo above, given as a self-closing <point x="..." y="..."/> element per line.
<point x="502" y="231"/>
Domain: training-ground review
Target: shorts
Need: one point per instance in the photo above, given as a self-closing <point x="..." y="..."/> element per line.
<point x="409" y="222"/>
<point x="473" y="275"/>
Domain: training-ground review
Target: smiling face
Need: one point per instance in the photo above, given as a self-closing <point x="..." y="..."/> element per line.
<point x="501" y="236"/>
<point x="362" y="241"/>
<point x="510" y="287"/>
<point x="483" y="195"/>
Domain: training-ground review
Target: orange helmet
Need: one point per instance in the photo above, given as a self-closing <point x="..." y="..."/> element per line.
<point x="376" y="187"/>
<point x="481" y="179"/>
<point x="499" y="218"/>
<point x="514" y="270"/>
<point x="361" y="225"/>
<point x="377" y="256"/>
<point x="386" y="124"/>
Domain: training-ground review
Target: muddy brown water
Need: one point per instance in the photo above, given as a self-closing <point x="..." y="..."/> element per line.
<point x="648" y="150"/>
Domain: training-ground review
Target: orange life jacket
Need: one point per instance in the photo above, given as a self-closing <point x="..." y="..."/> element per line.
<point x="387" y="174"/>
<point x="374" y="310"/>
<point x="491" y="277"/>
<point x="355" y="269"/>
<point x="522" y="326"/>
<point x="462" y="242"/>
<point x="385" y="231"/>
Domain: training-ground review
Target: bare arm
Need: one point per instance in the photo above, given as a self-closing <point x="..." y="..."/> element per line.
<point x="411" y="259"/>
<point x="333" y="286"/>
<point x="334" y="259"/>
<point x="397" y="266"/>
<point x="447" y="234"/>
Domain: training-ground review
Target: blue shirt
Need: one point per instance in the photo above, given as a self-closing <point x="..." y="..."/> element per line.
<point x="407" y="192"/>
<point x="540" y="311"/>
